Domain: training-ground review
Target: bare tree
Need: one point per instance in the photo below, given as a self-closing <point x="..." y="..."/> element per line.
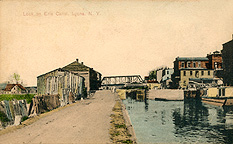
<point x="15" y="78"/>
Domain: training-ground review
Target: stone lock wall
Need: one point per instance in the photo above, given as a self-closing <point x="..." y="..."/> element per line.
<point x="41" y="104"/>
<point x="11" y="111"/>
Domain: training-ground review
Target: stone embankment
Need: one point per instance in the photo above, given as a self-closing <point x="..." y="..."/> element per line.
<point x="11" y="112"/>
<point x="15" y="111"/>
<point x="87" y="121"/>
<point x="166" y="94"/>
<point x="121" y="130"/>
<point x="41" y="104"/>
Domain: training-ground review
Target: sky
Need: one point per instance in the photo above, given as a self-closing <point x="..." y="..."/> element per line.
<point x="113" y="37"/>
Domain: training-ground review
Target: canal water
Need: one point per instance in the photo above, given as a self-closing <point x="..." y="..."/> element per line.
<point x="179" y="122"/>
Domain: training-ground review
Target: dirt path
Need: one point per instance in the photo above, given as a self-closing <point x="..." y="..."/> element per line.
<point x="85" y="122"/>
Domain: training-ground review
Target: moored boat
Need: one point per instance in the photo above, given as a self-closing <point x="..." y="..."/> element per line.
<point x="219" y="96"/>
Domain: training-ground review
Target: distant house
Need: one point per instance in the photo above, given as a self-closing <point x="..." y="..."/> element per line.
<point x="31" y="90"/>
<point x="166" y="79"/>
<point x="92" y="77"/>
<point x="14" y="89"/>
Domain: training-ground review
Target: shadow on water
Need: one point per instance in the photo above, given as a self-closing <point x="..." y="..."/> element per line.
<point x="183" y="121"/>
<point x="146" y="104"/>
<point x="203" y="122"/>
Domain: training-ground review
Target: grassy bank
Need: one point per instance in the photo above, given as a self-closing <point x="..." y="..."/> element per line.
<point x="9" y="97"/>
<point x="118" y="131"/>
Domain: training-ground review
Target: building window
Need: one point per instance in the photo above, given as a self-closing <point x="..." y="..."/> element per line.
<point x="202" y="72"/>
<point x="189" y="64"/>
<point x="194" y="64"/>
<point x="223" y="92"/>
<point x="219" y="92"/>
<point x="184" y="73"/>
<point x="215" y="65"/>
<point x="167" y="72"/>
<point x="208" y="72"/>
<point x="197" y="74"/>
<point x="182" y="64"/>
<point x="199" y="64"/>
<point x="191" y="72"/>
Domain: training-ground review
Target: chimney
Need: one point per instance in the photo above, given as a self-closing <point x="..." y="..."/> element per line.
<point x="77" y="59"/>
<point x="82" y="63"/>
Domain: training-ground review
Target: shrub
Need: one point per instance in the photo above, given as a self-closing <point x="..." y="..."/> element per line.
<point x="127" y="141"/>
<point x="9" y="97"/>
<point x="3" y="117"/>
<point x="24" y="118"/>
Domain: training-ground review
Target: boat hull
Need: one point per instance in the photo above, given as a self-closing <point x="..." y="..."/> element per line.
<point x="218" y="101"/>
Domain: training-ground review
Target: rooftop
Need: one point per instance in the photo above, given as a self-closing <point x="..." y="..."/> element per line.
<point x="231" y="41"/>
<point x="10" y="86"/>
<point x="72" y="67"/>
<point x="198" y="68"/>
<point x="58" y="69"/>
<point x="192" y="59"/>
<point x="76" y="66"/>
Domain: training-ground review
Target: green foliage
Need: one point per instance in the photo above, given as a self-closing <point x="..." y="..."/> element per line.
<point x="9" y="97"/>
<point x="128" y="141"/>
<point x="120" y="126"/>
<point x="153" y="75"/>
<point x="115" y="134"/>
<point x="24" y="118"/>
<point x="3" y="117"/>
<point x="16" y="77"/>
<point x="129" y="135"/>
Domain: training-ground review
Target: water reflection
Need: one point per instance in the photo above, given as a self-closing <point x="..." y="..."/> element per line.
<point x="180" y="122"/>
<point x="146" y="105"/>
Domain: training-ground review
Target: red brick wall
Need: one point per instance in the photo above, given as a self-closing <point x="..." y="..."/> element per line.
<point x="203" y="64"/>
<point x="217" y="59"/>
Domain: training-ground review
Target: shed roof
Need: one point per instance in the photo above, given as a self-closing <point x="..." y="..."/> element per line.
<point x="59" y="69"/>
<point x="76" y="66"/>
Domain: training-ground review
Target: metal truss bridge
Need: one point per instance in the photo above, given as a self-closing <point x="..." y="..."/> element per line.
<point x="120" y="81"/>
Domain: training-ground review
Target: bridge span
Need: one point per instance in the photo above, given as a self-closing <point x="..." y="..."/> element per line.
<point x="112" y="82"/>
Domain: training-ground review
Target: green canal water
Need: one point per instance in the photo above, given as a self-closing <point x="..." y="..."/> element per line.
<point x="179" y="122"/>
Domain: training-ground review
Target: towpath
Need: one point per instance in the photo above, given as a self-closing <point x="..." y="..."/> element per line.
<point x="87" y="121"/>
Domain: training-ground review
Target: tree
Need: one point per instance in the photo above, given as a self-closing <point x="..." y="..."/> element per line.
<point x="15" y="78"/>
<point x="152" y="75"/>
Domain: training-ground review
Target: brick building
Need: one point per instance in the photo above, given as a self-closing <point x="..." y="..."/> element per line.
<point x="215" y="60"/>
<point x="227" y="56"/>
<point x="188" y="65"/>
